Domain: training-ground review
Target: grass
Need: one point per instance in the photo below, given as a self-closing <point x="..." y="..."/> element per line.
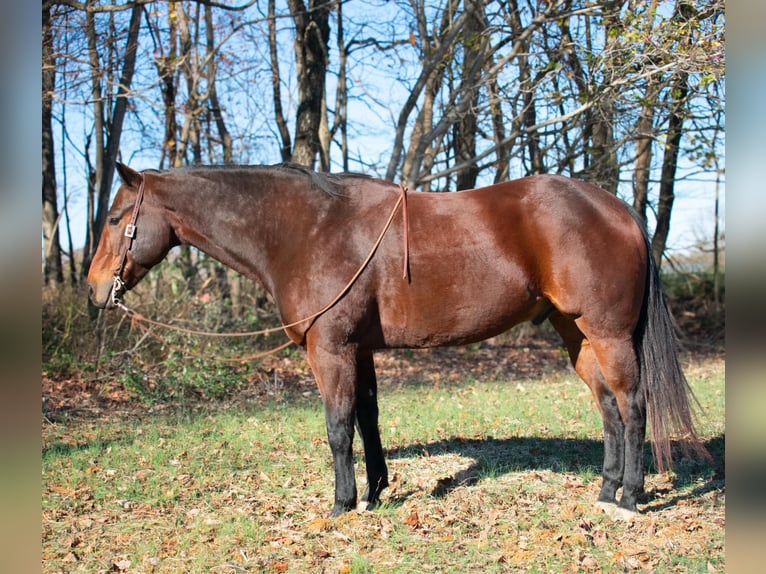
<point x="486" y="476"/>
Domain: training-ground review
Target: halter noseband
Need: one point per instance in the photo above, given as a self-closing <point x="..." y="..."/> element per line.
<point x="118" y="285"/>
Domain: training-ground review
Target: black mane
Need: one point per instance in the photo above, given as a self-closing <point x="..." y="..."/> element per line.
<point x="326" y="182"/>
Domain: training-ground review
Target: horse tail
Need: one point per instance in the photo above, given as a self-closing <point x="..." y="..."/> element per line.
<point x="665" y="389"/>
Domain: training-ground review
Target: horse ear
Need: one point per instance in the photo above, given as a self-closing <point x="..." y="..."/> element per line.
<point x="129" y="176"/>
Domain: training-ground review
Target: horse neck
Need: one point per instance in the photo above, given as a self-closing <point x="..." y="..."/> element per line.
<point x="248" y="221"/>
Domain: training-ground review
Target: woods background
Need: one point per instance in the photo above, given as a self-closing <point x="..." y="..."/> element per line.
<point x="442" y="96"/>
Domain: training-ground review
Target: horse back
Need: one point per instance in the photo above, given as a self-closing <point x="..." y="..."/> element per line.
<point x="484" y="260"/>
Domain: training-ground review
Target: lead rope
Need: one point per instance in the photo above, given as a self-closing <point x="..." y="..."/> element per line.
<point x="139" y="318"/>
<point x="406" y="224"/>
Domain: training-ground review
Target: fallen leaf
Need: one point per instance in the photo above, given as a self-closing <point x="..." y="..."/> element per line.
<point x="342" y="537"/>
<point x="589" y="562"/>
<point x="413" y="520"/>
<point x="599" y="537"/>
<point x="317" y="525"/>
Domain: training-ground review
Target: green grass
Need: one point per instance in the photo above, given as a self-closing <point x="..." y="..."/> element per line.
<point x="485" y="477"/>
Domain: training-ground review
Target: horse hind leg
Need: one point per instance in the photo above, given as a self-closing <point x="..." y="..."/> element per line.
<point x="618" y="362"/>
<point x="586" y="365"/>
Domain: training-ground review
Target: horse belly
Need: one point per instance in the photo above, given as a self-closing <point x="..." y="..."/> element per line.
<point x="454" y="313"/>
<point x="470" y="274"/>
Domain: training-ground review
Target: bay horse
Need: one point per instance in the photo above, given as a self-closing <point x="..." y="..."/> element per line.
<point x="544" y="247"/>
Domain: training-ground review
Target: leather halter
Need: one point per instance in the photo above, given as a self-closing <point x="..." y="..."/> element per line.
<point x="119" y="286"/>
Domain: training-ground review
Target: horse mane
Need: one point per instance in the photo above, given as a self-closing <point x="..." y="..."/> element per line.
<point x="329" y="183"/>
<point x="325" y="181"/>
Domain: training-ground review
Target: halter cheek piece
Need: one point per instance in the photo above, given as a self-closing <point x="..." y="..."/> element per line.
<point x="118" y="285"/>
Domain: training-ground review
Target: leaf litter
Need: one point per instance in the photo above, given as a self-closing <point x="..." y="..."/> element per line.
<point x="440" y="513"/>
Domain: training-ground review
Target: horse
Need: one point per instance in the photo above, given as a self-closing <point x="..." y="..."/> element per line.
<point x="476" y="262"/>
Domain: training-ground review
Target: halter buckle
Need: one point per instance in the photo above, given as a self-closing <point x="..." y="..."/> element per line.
<point x="130" y="230"/>
<point x="118" y="286"/>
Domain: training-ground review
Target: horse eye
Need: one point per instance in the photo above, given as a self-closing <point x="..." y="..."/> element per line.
<point x="114" y="220"/>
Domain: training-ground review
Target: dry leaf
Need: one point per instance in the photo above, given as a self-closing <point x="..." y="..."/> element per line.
<point x="589" y="562"/>
<point x="317" y="525"/>
<point x="413" y="520"/>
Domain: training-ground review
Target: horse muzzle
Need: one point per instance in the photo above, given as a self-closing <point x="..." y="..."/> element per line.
<point x="106" y="295"/>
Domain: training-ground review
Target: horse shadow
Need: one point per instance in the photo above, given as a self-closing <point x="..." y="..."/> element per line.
<point x="493" y="457"/>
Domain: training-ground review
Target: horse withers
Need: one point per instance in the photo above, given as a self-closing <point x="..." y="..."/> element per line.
<point x="480" y="261"/>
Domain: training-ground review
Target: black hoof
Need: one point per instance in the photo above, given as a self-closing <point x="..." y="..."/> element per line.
<point x="339" y="509"/>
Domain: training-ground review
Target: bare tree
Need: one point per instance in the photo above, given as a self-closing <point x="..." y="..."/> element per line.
<point x="214" y="108"/>
<point x="165" y="61"/>
<point x="312" y="32"/>
<point x="285" y="147"/>
<point x="677" y="108"/>
<point x="482" y="90"/>
<point x="474" y="47"/>
<point x="52" y="269"/>
<point x="108" y="129"/>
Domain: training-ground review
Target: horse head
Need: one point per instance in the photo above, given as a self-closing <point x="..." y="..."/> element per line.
<point x="136" y="236"/>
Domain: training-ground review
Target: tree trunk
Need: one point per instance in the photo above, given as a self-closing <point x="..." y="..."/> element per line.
<point x="433" y="56"/>
<point x="604" y="169"/>
<point x="52" y="268"/>
<point x="285" y="148"/>
<point x="166" y="70"/>
<point x="215" y="106"/>
<point x="423" y="150"/>
<point x="312" y="32"/>
<point x="679" y="90"/>
<point x="644" y="141"/>
<point x="190" y="131"/>
<point x="669" y="164"/>
<point x="502" y="154"/>
<point x="107" y="155"/>
<point x="528" y="115"/>
<point x="341" y="97"/>
<point x="465" y="128"/>
<point x="423" y="124"/>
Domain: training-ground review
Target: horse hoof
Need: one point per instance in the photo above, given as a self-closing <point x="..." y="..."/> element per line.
<point x="339" y="510"/>
<point x="606" y="507"/>
<point x="617" y="512"/>
<point x="624" y="514"/>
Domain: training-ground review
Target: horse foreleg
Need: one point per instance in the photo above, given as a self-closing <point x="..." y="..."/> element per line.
<point x="336" y="373"/>
<point x="367" y="424"/>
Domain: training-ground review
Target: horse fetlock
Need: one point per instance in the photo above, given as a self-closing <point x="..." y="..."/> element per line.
<point x="372" y="495"/>
<point x="341" y="508"/>
<point x="609" y="492"/>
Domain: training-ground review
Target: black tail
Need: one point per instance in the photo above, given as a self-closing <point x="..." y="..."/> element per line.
<point x="663" y="384"/>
